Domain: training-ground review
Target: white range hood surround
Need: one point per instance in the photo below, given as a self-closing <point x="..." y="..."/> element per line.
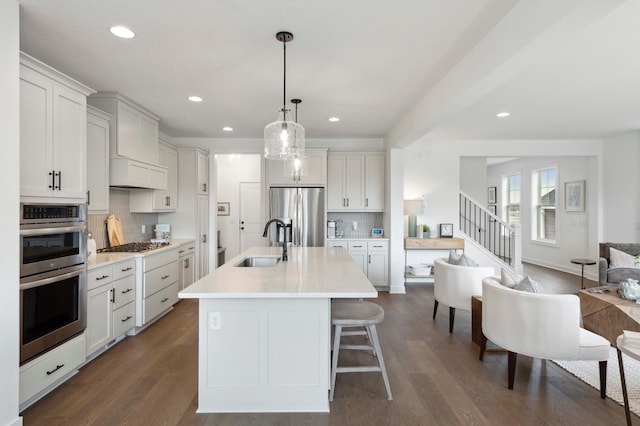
<point x="133" y="174"/>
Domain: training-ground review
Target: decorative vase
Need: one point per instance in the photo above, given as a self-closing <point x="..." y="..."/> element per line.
<point x="425" y="234"/>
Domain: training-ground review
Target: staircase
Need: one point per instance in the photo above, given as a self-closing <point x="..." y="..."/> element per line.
<point x="499" y="240"/>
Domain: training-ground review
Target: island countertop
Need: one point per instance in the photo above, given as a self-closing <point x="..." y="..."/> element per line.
<point x="310" y="272"/>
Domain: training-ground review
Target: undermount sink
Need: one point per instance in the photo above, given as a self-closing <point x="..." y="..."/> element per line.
<point x="258" y="262"/>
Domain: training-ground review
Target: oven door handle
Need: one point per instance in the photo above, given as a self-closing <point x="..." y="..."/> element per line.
<point x="51" y="280"/>
<point x="53" y="230"/>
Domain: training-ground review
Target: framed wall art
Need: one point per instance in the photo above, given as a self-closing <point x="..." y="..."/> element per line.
<point x="491" y="196"/>
<point x="223" y="209"/>
<point x="574" y="196"/>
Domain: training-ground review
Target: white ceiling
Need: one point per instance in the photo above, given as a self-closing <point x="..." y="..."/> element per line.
<point x="400" y="70"/>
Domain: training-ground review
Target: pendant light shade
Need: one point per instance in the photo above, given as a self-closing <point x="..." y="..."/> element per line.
<point x="284" y="139"/>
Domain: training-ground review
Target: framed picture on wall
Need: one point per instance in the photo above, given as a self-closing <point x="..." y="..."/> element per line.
<point x="223" y="209"/>
<point x="492" y="208"/>
<point x="574" y="196"/>
<point x="491" y="196"/>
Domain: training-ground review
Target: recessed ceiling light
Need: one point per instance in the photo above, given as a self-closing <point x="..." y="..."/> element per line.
<point x="195" y="98"/>
<point x="334" y="119"/>
<point x="503" y="114"/>
<point x="227" y="129"/>
<point x="122" y="32"/>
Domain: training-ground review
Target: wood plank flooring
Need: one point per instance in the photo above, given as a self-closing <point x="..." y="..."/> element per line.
<point x="436" y="378"/>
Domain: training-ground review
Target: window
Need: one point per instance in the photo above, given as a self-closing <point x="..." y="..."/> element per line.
<point x="513" y="199"/>
<point x="544" y="192"/>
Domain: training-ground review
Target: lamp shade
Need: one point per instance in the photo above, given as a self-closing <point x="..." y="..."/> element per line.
<point x="413" y="207"/>
<point x="283" y="139"/>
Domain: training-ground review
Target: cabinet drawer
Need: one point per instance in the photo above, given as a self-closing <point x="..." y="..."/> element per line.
<point x="187" y="249"/>
<point x="99" y="276"/>
<point x="154" y="261"/>
<point x="337" y="243"/>
<point x="124" y="269"/>
<point x="357" y="245"/>
<point x="378" y="245"/>
<point x="124" y="291"/>
<point x="159" y="278"/>
<point x="124" y="319"/>
<point x="52" y="366"/>
<point x="159" y="302"/>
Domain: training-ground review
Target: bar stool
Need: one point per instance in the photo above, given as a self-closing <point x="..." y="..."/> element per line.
<point x="356" y="313"/>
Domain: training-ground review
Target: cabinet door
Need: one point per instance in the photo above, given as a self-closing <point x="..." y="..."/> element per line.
<point x="36" y="135"/>
<point x="374" y="183"/>
<point x="354" y="183"/>
<point x="167" y="199"/>
<point x="187" y="272"/>
<point x="336" y="199"/>
<point x="99" y="318"/>
<point x="377" y="268"/>
<point x="314" y="169"/>
<point x="70" y="142"/>
<point x="360" y="257"/>
<point x="203" y="233"/>
<point x="202" y="174"/>
<point x="98" y="163"/>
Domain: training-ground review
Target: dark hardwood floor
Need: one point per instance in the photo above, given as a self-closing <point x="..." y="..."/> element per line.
<point x="436" y="378"/>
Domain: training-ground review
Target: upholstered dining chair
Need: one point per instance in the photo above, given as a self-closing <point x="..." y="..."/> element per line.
<point x="545" y="326"/>
<point x="453" y="285"/>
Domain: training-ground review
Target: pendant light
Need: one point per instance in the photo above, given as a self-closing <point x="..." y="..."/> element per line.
<point x="284" y="139"/>
<point x="297" y="164"/>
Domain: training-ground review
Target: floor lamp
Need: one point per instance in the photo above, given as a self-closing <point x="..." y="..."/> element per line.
<point x="411" y="209"/>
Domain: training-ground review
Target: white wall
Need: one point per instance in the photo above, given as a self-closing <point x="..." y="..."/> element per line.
<point x="232" y="169"/>
<point x="621" y="189"/>
<point x="473" y="178"/>
<point x="10" y="166"/>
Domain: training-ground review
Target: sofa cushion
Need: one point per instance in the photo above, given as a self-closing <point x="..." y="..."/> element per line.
<point x="529" y="285"/>
<point x="462" y="260"/>
<point x="508" y="278"/>
<point x="620" y="259"/>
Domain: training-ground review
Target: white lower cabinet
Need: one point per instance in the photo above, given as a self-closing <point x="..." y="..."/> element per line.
<point x="41" y="375"/>
<point x="186" y="264"/>
<point x="371" y="255"/>
<point x="158" y="286"/>
<point x="111" y="292"/>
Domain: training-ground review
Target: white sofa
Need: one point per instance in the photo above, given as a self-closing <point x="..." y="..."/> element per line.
<point x="543" y="326"/>
<point x="454" y="285"/>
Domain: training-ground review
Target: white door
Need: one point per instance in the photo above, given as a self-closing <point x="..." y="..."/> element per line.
<point x="251" y="226"/>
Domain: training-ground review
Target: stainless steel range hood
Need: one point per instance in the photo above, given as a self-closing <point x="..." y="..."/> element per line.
<point x="132" y="174"/>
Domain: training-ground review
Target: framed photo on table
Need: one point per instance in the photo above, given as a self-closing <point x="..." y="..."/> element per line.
<point x="223" y="209"/>
<point x="574" y="196"/>
<point x="491" y="195"/>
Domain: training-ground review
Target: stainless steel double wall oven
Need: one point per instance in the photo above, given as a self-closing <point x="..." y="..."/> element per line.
<point x="53" y="271"/>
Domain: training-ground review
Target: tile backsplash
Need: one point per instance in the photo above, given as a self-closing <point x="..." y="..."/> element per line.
<point x="131" y="222"/>
<point x="365" y="221"/>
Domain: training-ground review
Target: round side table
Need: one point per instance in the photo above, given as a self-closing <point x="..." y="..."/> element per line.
<point x="583" y="262"/>
<point x="633" y="353"/>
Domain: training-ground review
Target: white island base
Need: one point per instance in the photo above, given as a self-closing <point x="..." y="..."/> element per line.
<point x="269" y="355"/>
<point x="264" y="332"/>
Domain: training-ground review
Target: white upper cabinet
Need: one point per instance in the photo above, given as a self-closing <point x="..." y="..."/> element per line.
<point x="136" y="129"/>
<point x="53" y="134"/>
<point x="355" y="182"/>
<point x="312" y="170"/>
<point x="159" y="200"/>
<point x="97" y="160"/>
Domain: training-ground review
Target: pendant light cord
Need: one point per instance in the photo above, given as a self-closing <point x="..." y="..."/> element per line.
<point x="284" y="85"/>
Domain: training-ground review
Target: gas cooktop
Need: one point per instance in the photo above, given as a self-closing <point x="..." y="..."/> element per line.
<point x="139" y="247"/>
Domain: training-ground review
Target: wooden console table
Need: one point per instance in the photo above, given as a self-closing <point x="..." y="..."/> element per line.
<point x="429" y="244"/>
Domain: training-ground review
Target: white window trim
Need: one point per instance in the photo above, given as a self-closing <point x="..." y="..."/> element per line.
<point x="535" y="188"/>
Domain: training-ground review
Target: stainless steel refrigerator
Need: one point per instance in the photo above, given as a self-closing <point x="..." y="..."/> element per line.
<point x="304" y="209"/>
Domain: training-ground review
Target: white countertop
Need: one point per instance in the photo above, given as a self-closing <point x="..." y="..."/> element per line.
<point x="104" y="259"/>
<point x="310" y="272"/>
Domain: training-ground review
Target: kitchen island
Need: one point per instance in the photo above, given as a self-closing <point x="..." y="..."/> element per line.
<point x="264" y="332"/>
